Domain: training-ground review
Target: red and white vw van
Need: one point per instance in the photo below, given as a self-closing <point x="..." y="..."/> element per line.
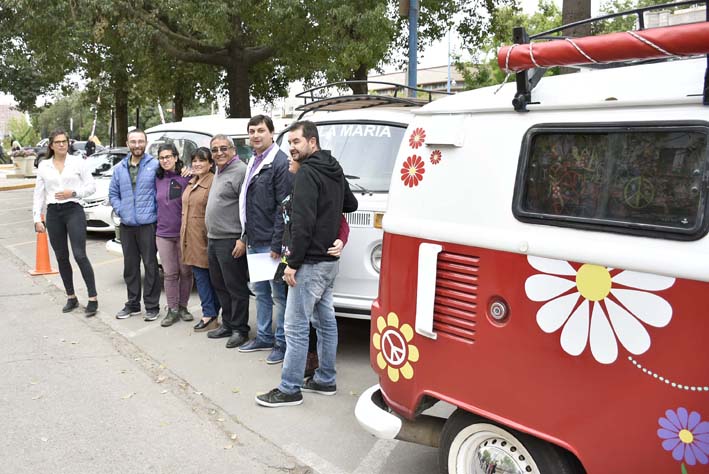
<point x="546" y="272"/>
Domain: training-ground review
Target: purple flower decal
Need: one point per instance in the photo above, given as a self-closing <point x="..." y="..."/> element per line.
<point x="686" y="435"/>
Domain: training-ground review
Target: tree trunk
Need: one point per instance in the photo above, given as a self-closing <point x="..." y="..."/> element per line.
<point x="178" y="105"/>
<point x="120" y="97"/>
<point x="576" y="10"/>
<point x="238" y="83"/>
<point x="359" y="75"/>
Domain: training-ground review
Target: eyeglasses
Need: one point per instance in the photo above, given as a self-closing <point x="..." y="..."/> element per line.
<point x="222" y="149"/>
<point x="165" y="157"/>
<point x="60" y="142"/>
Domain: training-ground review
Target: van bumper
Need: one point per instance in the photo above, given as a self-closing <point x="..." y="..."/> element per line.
<point x="354" y="307"/>
<point x="373" y="415"/>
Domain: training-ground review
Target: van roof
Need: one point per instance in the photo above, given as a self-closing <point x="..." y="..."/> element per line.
<point x="671" y="81"/>
<point x="213" y="125"/>
<point x="402" y="115"/>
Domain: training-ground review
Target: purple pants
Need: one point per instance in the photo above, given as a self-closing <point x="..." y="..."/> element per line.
<point x="178" y="277"/>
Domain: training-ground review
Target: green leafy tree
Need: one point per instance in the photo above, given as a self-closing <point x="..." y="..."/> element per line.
<point x="21" y="131"/>
<point x="33" y="58"/>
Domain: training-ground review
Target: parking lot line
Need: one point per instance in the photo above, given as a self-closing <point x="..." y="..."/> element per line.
<point x="143" y="330"/>
<point x="23" y="221"/>
<point x="104" y="262"/>
<point x="23" y="208"/>
<point x="309" y="458"/>
<point x="20" y="243"/>
<point x="374" y="461"/>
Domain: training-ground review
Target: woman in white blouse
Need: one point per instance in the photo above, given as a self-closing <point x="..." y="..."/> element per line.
<point x="63" y="179"/>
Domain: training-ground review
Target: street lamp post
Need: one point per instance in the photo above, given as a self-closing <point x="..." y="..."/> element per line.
<point x="413" y="44"/>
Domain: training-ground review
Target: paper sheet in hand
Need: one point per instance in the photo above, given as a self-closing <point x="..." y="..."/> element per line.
<point x="261" y="266"/>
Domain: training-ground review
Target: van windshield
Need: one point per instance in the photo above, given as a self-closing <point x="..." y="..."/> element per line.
<point x="366" y="151"/>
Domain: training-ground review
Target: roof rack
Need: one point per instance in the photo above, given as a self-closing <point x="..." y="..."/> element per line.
<point x="528" y="79"/>
<point x="318" y="99"/>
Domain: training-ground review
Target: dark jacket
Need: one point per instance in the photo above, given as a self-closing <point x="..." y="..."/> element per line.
<point x="268" y="187"/>
<point x="320" y="195"/>
<point x="134" y="207"/>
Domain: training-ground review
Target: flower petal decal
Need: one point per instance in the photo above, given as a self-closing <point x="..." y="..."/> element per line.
<point x="418" y="136"/>
<point x="685" y="435"/>
<point x="435" y="157"/>
<point x="396" y="353"/>
<point x="591" y="308"/>
<point x="412" y="171"/>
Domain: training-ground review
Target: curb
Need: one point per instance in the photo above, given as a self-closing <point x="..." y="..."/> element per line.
<point x="12" y="187"/>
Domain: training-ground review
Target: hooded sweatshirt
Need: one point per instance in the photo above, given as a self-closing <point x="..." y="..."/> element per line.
<point x="320" y="195"/>
<point x="169" y="191"/>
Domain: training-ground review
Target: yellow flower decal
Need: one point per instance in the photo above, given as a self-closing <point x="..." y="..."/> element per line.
<point x="395" y="351"/>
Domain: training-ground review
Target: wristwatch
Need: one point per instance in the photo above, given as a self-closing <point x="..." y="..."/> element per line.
<point x="73" y="194"/>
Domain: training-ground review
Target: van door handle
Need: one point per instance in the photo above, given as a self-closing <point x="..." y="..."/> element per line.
<point x="426" y="288"/>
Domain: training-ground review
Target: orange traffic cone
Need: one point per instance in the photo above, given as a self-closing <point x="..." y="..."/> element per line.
<point x="42" y="265"/>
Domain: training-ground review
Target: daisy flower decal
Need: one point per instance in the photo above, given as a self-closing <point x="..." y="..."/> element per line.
<point x="417" y="138"/>
<point x="595" y="305"/>
<point x="436" y="156"/>
<point x="395" y="351"/>
<point x="686" y="436"/>
<point x="413" y="170"/>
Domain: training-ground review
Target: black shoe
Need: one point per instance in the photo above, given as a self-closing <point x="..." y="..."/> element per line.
<point x="71" y="305"/>
<point x="220" y="332"/>
<point x="236" y="340"/>
<point x="91" y="308"/>
<point x="275" y="398"/>
<point x="126" y="312"/>
<point x="151" y="314"/>
<point x="310" y="385"/>
<point x="171" y="318"/>
<point x="203" y="325"/>
<point x="184" y="314"/>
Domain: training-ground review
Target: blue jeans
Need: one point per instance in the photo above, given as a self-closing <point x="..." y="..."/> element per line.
<point x="270" y="303"/>
<point x="207" y="295"/>
<point x="310" y="300"/>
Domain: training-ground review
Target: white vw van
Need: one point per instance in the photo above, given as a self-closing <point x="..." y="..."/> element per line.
<point x="545" y="270"/>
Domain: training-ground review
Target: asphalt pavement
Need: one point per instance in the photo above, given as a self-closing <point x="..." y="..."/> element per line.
<point x="106" y="395"/>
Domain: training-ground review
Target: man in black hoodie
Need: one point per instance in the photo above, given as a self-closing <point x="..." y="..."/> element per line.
<point x="320" y="195"/>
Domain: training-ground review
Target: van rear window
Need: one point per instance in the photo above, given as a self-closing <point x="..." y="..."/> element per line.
<point x="627" y="178"/>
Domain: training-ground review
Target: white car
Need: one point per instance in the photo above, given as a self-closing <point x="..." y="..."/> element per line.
<point x="99" y="213"/>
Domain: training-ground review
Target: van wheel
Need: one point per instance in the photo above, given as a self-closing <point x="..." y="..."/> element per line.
<point x="473" y="445"/>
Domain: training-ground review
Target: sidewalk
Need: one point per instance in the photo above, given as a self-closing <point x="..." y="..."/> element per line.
<point x="8" y="184"/>
<point x="79" y="398"/>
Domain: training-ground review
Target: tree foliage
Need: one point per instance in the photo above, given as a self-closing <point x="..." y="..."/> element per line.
<point x="133" y="53"/>
<point x="486" y="71"/>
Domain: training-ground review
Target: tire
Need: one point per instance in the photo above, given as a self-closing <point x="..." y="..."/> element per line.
<point x="469" y="442"/>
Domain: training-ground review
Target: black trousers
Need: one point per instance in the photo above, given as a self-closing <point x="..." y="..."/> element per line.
<point x="69" y="220"/>
<point x="229" y="277"/>
<point x="138" y="243"/>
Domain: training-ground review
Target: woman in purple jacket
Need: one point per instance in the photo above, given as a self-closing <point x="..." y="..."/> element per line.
<point x="169" y="185"/>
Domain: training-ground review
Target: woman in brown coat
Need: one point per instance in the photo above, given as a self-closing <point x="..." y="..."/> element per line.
<point x="193" y="235"/>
